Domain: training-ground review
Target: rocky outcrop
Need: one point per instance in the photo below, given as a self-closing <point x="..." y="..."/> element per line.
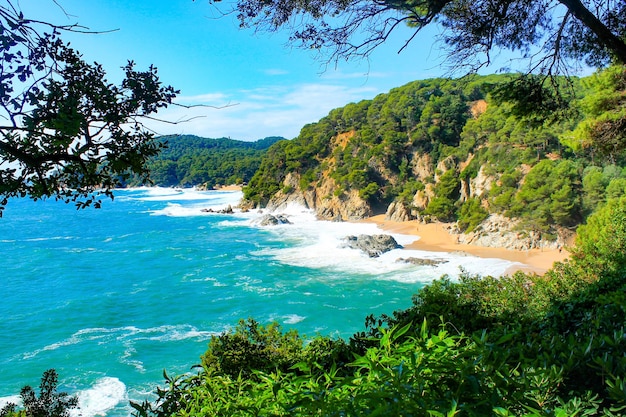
<point x="422" y="261"/>
<point x="372" y="245"/>
<point x="227" y="210"/>
<point x="271" y="220"/>
<point x="478" y="186"/>
<point x="322" y="198"/>
<point x="498" y="231"/>
<point x="398" y="212"/>
<point x="422" y="165"/>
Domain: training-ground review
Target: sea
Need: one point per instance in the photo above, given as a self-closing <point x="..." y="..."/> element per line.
<point x="112" y="297"/>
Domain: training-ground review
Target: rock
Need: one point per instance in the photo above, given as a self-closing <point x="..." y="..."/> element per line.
<point x="498" y="231"/>
<point x="321" y="198"/>
<point x="398" y="212"/>
<point x="372" y="245"/>
<point x="271" y="220"/>
<point x="422" y="261"/>
<point x="227" y="210"/>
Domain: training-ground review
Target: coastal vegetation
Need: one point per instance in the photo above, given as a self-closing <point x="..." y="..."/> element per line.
<point x="522" y="345"/>
<point x="187" y="161"/>
<point x="550" y="154"/>
<point x="457" y="151"/>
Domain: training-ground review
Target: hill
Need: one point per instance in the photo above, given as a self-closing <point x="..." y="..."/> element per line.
<point x="189" y="160"/>
<point x="453" y="151"/>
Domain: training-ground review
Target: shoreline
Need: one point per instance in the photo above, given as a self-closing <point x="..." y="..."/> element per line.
<point x="232" y="187"/>
<point x="434" y="237"/>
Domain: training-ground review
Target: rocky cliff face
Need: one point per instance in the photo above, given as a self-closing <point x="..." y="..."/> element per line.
<point x="502" y="232"/>
<point x="322" y="199"/>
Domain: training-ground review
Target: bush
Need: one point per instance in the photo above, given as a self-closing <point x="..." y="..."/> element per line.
<point x="471" y="215"/>
<point x="50" y="403"/>
<point x="252" y="347"/>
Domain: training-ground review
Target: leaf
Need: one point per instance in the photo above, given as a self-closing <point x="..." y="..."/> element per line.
<point x="505" y="338"/>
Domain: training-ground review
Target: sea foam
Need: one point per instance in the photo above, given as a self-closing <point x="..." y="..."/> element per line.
<point x="12" y="399"/>
<point x="191" y="202"/>
<point x="319" y="244"/>
<point x="103" y="396"/>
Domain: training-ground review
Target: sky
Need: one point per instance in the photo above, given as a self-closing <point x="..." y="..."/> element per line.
<point x="255" y="84"/>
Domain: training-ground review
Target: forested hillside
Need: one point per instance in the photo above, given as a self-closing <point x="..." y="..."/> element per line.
<point x="458" y="150"/>
<point x="191" y="160"/>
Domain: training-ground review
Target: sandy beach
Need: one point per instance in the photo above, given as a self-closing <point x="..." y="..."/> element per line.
<point x="434" y="237"/>
<point x="231" y="187"/>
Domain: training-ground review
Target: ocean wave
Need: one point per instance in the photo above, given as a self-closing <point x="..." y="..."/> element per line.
<point x="318" y="244"/>
<point x="11" y="399"/>
<point x="209" y="208"/>
<point x="97" y="400"/>
<point x="106" y="394"/>
<point x="45" y="239"/>
<point x="292" y="318"/>
<point x="128" y="335"/>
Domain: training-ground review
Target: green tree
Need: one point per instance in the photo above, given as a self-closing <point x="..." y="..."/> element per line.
<point x="604" y="128"/>
<point x="252" y="347"/>
<point x="443" y="205"/>
<point x="601" y="242"/>
<point x="67" y="132"/>
<point x="471" y="214"/>
<point x="594" y="184"/>
<point x="49" y="403"/>
<point x="549" y="195"/>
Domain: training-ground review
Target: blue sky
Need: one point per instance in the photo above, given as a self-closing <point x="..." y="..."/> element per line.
<point x="272" y="89"/>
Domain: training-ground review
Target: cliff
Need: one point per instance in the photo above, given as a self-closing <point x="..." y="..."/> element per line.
<point x="440" y="150"/>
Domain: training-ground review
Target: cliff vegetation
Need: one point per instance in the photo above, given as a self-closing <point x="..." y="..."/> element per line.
<point x="461" y="151"/>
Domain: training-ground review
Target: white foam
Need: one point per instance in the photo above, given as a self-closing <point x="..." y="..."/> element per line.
<point x="319" y="244"/>
<point x="293" y="318"/>
<point x="12" y="399"/>
<point x="198" y="203"/>
<point x="129" y="335"/>
<point x="103" y="396"/>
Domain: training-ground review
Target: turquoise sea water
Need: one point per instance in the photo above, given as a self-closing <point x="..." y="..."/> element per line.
<point x="112" y="297"/>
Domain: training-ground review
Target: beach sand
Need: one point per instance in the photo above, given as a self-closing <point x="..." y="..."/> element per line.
<point x="231" y="187"/>
<point x="435" y="237"/>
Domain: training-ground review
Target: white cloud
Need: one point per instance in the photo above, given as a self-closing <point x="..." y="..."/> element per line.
<point x="268" y="111"/>
<point x="275" y="71"/>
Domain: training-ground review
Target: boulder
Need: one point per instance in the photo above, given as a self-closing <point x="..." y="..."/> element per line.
<point x="398" y="212"/>
<point x="422" y="261"/>
<point x="271" y="220"/>
<point x="372" y="245"/>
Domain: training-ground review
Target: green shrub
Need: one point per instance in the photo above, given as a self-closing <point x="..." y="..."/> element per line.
<point x="471" y="214"/>
<point x="252" y="347"/>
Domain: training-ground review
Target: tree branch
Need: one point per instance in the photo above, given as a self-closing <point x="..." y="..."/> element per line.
<point x="608" y="39"/>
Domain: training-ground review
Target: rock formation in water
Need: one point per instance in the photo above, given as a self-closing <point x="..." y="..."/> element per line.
<point x="372" y="245"/>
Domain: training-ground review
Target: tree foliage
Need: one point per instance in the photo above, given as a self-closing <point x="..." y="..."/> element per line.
<point x="49" y="403"/>
<point x="553" y="35"/>
<point x="68" y="133"/>
<point x="190" y="160"/>
<point x="604" y="128"/>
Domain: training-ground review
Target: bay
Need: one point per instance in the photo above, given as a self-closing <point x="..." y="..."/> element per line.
<point x="111" y="297"/>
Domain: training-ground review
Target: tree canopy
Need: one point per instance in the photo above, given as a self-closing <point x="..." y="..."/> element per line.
<point x="65" y="131"/>
<point x="553" y="34"/>
<point x="189" y="160"/>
